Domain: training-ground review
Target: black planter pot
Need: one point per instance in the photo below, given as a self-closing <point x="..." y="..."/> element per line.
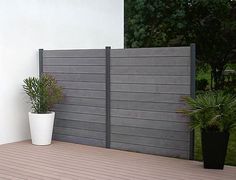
<point x="214" y="148"/>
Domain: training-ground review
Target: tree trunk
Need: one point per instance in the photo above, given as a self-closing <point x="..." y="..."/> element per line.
<point x="218" y="78"/>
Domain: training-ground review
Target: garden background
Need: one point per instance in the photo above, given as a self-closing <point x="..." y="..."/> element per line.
<point x="209" y="24"/>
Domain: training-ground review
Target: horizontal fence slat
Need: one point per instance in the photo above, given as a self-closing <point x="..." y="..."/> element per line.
<point x="138" y="114"/>
<point x="84" y="93"/>
<point x="79" y="77"/>
<point x="150" y="61"/>
<point x="82" y="85"/>
<point x="80" y="117"/>
<point x="96" y="53"/>
<point x="83" y="101"/>
<point x="167" y="71"/>
<point x="140" y="130"/>
<point x="79" y="140"/>
<point x="153" y="142"/>
<point x="150" y="150"/>
<point x="152" y="124"/>
<point x="80" y="109"/>
<point x="160" y="51"/>
<point x="174" y="89"/>
<point x="169" y="107"/>
<point x="80" y="125"/>
<point x="79" y="132"/>
<point x="146" y="97"/>
<point x="184" y="80"/>
<point x="74" y="61"/>
<point x="74" y="69"/>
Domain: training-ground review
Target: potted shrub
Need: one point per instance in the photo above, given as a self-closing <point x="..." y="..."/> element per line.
<point x="43" y="93"/>
<point x="215" y="114"/>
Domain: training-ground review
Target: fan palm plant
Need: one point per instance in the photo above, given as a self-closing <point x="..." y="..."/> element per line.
<point x="214" y="111"/>
<point x="215" y="114"/>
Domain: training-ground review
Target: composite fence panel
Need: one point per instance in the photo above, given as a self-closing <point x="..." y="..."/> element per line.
<point x="146" y="89"/>
<point x="80" y="117"/>
<point x="124" y="98"/>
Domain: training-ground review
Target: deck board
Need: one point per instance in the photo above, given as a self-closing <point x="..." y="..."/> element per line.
<point x="68" y="161"/>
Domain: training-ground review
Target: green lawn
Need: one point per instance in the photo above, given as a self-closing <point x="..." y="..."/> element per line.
<point x="231" y="153"/>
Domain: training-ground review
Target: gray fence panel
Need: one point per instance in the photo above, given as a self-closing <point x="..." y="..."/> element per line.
<point x="80" y="125"/>
<point x="80" y="77"/>
<point x="150" y="61"/>
<point x="84" y="101"/>
<point x="167" y="89"/>
<point x="150" y="150"/>
<point x="80" y="132"/>
<point x="150" y="115"/>
<point x="80" y="109"/>
<point x="73" y="61"/>
<point x="80" y="118"/>
<point x="152" y="52"/>
<point x="172" y="80"/>
<point x="83" y="53"/>
<point x="150" y="70"/>
<point x="150" y="141"/>
<point x="146" y="89"/>
<point x="79" y="140"/>
<point x="145" y="97"/>
<point x="74" y="69"/>
<point x="82" y="85"/>
<point x="149" y="131"/>
<point x="135" y="105"/>
<point x="150" y="124"/>
<point x="123" y="98"/>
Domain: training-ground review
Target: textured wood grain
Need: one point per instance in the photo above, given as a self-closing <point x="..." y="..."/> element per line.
<point x="68" y="161"/>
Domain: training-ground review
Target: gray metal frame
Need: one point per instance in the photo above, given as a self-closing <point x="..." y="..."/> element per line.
<point x="192" y="90"/>
<point x="40" y="62"/>
<point x="108" y="97"/>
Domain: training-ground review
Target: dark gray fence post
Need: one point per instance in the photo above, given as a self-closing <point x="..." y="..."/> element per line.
<point x="40" y="62"/>
<point x="108" y="98"/>
<point x="192" y="91"/>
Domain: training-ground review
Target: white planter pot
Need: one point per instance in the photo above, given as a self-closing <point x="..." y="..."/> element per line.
<point x="41" y="127"/>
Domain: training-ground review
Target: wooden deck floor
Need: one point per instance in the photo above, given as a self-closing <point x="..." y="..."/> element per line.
<point x="68" y="161"/>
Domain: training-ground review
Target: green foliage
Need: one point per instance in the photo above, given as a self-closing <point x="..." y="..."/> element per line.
<point x="43" y="93"/>
<point x="213" y="29"/>
<point x="212" y="111"/>
<point x="151" y="23"/>
<point x="209" y="24"/>
<point x="201" y="84"/>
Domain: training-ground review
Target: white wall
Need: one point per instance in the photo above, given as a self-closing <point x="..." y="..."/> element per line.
<point x="26" y="26"/>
